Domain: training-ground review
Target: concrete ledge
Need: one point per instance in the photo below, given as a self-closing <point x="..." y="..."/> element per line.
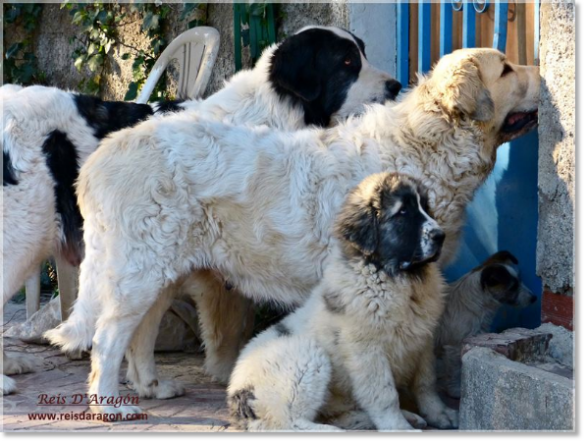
<point x="500" y="394"/>
<point x="517" y="344"/>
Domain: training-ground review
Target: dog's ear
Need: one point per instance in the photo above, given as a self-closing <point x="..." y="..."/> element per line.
<point x="294" y="67"/>
<point x="358" y="224"/>
<point x="496" y="278"/>
<point x="463" y="92"/>
<point x="505" y="256"/>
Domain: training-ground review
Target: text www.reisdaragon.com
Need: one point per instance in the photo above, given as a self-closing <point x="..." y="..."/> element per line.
<point x="85" y="416"/>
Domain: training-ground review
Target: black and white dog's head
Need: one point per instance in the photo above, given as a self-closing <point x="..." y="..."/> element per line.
<point x="326" y="71"/>
<point x="500" y="279"/>
<point x="386" y="220"/>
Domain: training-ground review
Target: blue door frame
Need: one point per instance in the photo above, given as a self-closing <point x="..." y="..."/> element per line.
<point x="504" y="212"/>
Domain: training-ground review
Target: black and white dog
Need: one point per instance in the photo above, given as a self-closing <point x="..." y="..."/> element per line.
<point x="316" y="77"/>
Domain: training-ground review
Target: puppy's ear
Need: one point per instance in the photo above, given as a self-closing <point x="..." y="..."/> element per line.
<point x="294" y="67"/>
<point x="496" y="278"/>
<point x="504" y="256"/>
<point x="358" y="224"/>
<point x="463" y="91"/>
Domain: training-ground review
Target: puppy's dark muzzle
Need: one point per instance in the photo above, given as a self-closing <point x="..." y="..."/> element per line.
<point x="437" y="237"/>
<point x="435" y="240"/>
<point x="392" y="88"/>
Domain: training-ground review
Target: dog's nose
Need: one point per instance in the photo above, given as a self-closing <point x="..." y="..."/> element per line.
<point x="437" y="236"/>
<point x="392" y="88"/>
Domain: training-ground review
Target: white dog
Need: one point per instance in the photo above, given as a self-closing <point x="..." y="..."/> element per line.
<point x="177" y="194"/>
<point x="48" y="133"/>
<point x="366" y="329"/>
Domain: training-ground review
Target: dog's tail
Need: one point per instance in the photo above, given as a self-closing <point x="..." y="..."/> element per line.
<point x="75" y="334"/>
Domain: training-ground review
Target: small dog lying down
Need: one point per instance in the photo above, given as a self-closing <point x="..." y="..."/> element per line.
<point x="366" y="330"/>
<point x="471" y="305"/>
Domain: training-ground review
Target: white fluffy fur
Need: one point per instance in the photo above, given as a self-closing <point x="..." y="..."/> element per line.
<point x="181" y="193"/>
<point x="339" y="359"/>
<point x="31" y="224"/>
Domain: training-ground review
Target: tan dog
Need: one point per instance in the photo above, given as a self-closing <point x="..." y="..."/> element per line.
<point x="471" y="305"/>
<point x="177" y="194"/>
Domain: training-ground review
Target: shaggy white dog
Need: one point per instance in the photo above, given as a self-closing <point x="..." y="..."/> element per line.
<point x="177" y="194"/>
<point x="48" y="133"/>
<point x="365" y="331"/>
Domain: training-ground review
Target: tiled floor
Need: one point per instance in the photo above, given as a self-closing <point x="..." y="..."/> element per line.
<point x="202" y="408"/>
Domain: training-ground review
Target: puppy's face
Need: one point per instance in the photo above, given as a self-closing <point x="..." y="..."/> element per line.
<point x="325" y="69"/>
<point x="500" y="278"/>
<point x="482" y="85"/>
<point x="386" y="221"/>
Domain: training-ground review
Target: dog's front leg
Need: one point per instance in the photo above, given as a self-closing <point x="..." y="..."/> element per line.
<point x="373" y="385"/>
<point x="430" y="405"/>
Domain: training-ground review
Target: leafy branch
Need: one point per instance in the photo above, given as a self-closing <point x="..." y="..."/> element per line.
<point x="20" y="62"/>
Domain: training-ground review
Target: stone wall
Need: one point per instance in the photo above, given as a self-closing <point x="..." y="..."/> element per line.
<point x="53" y="46"/>
<point x="555" y="249"/>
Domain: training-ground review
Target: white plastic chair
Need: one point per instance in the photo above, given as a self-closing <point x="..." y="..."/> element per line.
<point x="195" y="51"/>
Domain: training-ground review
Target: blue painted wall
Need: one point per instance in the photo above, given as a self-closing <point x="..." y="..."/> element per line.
<point x="503" y="215"/>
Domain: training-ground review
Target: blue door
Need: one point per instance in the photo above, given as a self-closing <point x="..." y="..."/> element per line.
<point x="503" y="214"/>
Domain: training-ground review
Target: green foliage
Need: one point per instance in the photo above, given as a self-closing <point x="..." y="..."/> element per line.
<point x="98" y="37"/>
<point x="195" y="12"/>
<point x="153" y="19"/>
<point x="20" y="63"/>
<point x="257" y="21"/>
<point x="98" y="34"/>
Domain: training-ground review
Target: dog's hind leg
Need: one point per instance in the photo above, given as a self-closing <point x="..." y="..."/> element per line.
<point x="115" y="327"/>
<point x="33" y="293"/>
<point x="430" y="405"/>
<point x="280" y="383"/>
<point x="142" y="371"/>
<point x="226" y="318"/>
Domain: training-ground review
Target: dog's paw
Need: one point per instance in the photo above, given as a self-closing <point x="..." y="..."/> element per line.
<point x="414" y="420"/>
<point x="445" y="418"/>
<point x="8" y="386"/>
<point x="18" y="363"/>
<point x="395" y="423"/>
<point x="160" y="389"/>
<point x="122" y="413"/>
<point x="220" y="371"/>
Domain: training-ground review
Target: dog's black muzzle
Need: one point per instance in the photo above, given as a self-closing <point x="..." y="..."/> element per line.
<point x="433" y="248"/>
<point x="392" y="88"/>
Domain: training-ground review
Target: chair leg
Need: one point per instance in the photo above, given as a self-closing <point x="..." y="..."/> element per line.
<point x="68" y="281"/>
<point x="32" y="289"/>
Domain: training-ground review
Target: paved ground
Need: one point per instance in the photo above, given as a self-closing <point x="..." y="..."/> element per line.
<point x="203" y="407"/>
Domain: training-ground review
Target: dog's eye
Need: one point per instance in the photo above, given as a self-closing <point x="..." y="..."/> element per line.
<point x="402" y="211"/>
<point x="348" y="62"/>
<point x="506" y="69"/>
